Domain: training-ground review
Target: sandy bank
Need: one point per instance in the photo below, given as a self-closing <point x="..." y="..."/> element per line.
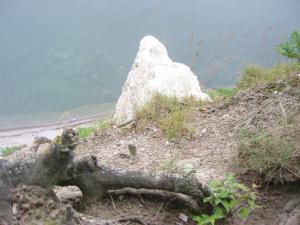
<point x="25" y="135"/>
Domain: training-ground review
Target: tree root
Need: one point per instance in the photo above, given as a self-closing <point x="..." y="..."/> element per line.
<point x="57" y="166"/>
<point x="188" y="201"/>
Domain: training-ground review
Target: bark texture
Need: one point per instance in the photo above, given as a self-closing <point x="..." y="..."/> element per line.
<point x="57" y="166"/>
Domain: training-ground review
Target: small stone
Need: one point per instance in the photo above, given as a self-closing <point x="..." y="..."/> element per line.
<point x="15" y="211"/>
<point x="26" y="207"/>
<point x="68" y="194"/>
<point x="183" y="217"/>
<point x="132" y="150"/>
<point x="121" y="197"/>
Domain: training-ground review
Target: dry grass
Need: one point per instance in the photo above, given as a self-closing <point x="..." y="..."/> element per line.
<point x="273" y="155"/>
<point x="254" y="75"/>
<point x="167" y="113"/>
<point x="221" y="93"/>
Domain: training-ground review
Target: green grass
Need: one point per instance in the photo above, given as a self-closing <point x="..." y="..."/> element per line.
<point x="272" y="156"/>
<point x="167" y="113"/>
<point x="254" y="75"/>
<point x="221" y="93"/>
<point x="84" y="132"/>
<point x="9" y="150"/>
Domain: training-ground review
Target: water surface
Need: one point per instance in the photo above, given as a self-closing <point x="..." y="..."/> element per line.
<point x="63" y="56"/>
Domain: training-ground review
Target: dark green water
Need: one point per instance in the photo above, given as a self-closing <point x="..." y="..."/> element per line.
<point x="60" y="55"/>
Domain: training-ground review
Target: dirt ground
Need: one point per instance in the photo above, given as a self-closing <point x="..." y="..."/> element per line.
<point x="211" y="151"/>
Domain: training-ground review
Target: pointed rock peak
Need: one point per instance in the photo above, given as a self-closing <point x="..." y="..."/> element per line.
<point x="154" y="72"/>
<point x="152" y="50"/>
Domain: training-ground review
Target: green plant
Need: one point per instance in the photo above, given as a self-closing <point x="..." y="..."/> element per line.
<point x="9" y="150"/>
<point x="168" y="165"/>
<point x="84" y="132"/>
<point x="255" y="75"/>
<point x="271" y="155"/>
<point x="221" y="93"/>
<point x="290" y="48"/>
<point x="228" y="198"/>
<point x="169" y="114"/>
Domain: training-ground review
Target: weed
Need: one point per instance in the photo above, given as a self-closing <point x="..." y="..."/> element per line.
<point x="221" y="93"/>
<point x="228" y="198"/>
<point x="290" y="48"/>
<point x="169" y="165"/>
<point x="84" y="132"/>
<point x="169" y="114"/>
<point x="272" y="156"/>
<point x="9" y="150"/>
<point x="254" y="75"/>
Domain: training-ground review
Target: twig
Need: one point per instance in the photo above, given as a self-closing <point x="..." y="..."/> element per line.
<point x="112" y="201"/>
<point x="95" y="221"/>
<point x="160" y="208"/>
<point x="125" y="124"/>
<point x="283" y="112"/>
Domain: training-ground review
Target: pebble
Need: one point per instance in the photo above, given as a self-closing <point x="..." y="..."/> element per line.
<point x="183" y="217"/>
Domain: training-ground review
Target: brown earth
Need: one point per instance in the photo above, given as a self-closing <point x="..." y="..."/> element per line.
<point x="211" y="151"/>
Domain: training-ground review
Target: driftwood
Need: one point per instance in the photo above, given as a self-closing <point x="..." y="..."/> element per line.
<point x="57" y="166"/>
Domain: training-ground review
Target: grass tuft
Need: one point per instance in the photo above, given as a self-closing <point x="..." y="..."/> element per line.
<point x="254" y="75"/>
<point x="84" y="132"/>
<point x="167" y="113"/>
<point x="9" y="150"/>
<point x="273" y="156"/>
<point x="221" y="93"/>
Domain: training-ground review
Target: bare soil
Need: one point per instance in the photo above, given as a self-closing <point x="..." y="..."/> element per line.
<point x="211" y="150"/>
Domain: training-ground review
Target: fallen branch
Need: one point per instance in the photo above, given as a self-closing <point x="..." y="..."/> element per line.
<point x="57" y="166"/>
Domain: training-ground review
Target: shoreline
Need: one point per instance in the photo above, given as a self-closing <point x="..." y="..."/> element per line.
<point x="24" y="135"/>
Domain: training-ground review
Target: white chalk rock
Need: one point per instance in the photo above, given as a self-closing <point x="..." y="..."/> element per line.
<point x="154" y="72"/>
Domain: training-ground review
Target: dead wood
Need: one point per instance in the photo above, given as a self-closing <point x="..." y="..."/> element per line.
<point x="57" y="166"/>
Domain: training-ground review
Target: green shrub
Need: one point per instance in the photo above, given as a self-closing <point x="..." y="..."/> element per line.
<point x="254" y="75"/>
<point x="290" y="48"/>
<point x="167" y="113"/>
<point x="271" y="156"/>
<point x="228" y="198"/>
<point x="9" y="150"/>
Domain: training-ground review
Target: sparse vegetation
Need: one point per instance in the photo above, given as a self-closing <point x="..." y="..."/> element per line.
<point x="84" y="132"/>
<point x="228" y="198"/>
<point x="167" y="113"/>
<point x="221" y="93"/>
<point x="255" y="75"/>
<point x="290" y="48"/>
<point x="9" y="150"/>
<point x="168" y="165"/>
<point x="272" y="156"/>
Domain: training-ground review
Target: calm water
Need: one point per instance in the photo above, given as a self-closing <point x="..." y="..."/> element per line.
<point x="64" y="57"/>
